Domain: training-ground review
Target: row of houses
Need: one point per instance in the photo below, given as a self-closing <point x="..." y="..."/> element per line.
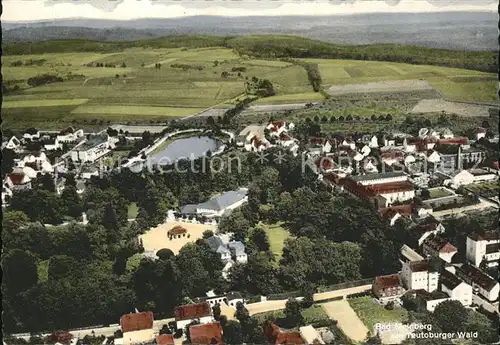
<point x="430" y="273"/>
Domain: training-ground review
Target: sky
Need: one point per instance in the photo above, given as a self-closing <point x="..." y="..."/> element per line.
<point x="31" y="10"/>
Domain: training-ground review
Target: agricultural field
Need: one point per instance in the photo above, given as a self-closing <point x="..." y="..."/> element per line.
<point x="452" y="83"/>
<point x="131" y="88"/>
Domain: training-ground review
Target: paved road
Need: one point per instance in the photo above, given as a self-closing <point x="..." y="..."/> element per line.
<point x="253" y="308"/>
<point x="344" y="292"/>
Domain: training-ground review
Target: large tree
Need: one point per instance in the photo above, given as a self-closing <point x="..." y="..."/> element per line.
<point x="451" y="316"/>
<point x="19" y="271"/>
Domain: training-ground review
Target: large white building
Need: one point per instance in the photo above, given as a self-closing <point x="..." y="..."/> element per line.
<point x="388" y="188"/>
<point x="483" y="248"/>
<point x="219" y="205"/>
<point x="482" y="283"/>
<point x="456" y="288"/>
<point x="92" y="148"/>
<point x="419" y="275"/>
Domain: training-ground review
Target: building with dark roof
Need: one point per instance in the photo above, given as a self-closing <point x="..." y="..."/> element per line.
<point x="484" y="284"/>
<point x="388" y="288"/>
<point x="425" y="227"/>
<point x="483" y="248"/>
<point x="218" y="206"/>
<point x="438" y="246"/>
<point x="417" y="275"/>
<point x="455" y="287"/>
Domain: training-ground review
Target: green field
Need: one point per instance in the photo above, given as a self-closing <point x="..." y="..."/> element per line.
<point x="371" y="313"/>
<point x="291" y="98"/>
<point x="311" y="315"/>
<point x="439" y="193"/>
<point x="191" y="79"/>
<point x="132" y="210"/>
<point x="133" y="262"/>
<point x="453" y="83"/>
<point x="277" y="236"/>
<point x="28" y="103"/>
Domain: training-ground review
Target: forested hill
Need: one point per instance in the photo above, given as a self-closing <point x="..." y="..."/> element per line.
<point x="277" y="46"/>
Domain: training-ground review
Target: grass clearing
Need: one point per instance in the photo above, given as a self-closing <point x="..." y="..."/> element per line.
<point x="277" y="236"/>
<point x="132" y="210"/>
<point x="439" y="193"/>
<point x="371" y="313"/>
<point x="43" y="270"/>
<point x="133" y="262"/>
<point x="42" y="103"/>
<point x="312" y="314"/>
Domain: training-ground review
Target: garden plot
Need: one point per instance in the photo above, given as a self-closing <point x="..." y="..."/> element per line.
<point x="384" y="86"/>
<point x="274" y="107"/>
<point x="461" y="109"/>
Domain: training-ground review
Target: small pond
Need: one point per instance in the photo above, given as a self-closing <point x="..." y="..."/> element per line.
<point x="186" y="148"/>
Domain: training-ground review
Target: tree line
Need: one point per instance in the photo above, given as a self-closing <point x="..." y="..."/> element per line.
<point x="273" y="46"/>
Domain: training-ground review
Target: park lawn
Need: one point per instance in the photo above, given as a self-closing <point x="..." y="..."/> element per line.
<point x="43" y="270"/>
<point x="277" y="236"/>
<point x="291" y="98"/>
<point x="372" y="313"/>
<point x="132" y="210"/>
<point x="133" y="262"/>
<point x="439" y="193"/>
<point x="29" y="103"/>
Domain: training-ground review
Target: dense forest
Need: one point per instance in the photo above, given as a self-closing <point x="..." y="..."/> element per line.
<point x="278" y="46"/>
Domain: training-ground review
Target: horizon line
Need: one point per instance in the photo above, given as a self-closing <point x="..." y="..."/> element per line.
<point x="244" y="16"/>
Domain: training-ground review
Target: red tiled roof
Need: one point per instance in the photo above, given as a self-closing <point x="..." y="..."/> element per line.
<point x="420" y="266"/>
<point x="388" y="281"/>
<point x="256" y="142"/>
<point x="62" y="337"/>
<point x="325" y="163"/>
<point x="165" y="339"/>
<point x="440" y="244"/>
<point x="404" y="210"/>
<point x="16" y="178"/>
<point x="277" y="125"/>
<point x="316" y="140"/>
<point x="136" y="322"/>
<point x="278" y="336"/>
<point x="378" y="189"/>
<point x="481" y="130"/>
<point x="209" y="333"/>
<point x="285" y="137"/>
<point x="192" y="311"/>
<point x="454" y="141"/>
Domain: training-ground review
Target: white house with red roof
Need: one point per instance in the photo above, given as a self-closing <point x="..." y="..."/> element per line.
<point x="256" y="144"/>
<point x="438" y="246"/>
<point x="17" y="180"/>
<point x="276" y="128"/>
